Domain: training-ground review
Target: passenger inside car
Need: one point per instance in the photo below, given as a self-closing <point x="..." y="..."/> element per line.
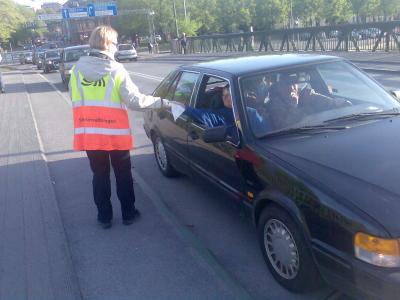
<point x="221" y="114"/>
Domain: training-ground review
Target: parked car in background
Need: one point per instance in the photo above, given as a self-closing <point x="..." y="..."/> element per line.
<point x="158" y="38"/>
<point x="28" y="58"/>
<point x="306" y="145"/>
<point x="51" y="60"/>
<point x="126" y="51"/>
<point x="69" y="56"/>
<point x="21" y="58"/>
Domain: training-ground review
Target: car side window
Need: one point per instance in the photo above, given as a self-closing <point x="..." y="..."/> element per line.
<point x="162" y="89"/>
<point x="185" y="87"/>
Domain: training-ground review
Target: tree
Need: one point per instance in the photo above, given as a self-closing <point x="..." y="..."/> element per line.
<point x="12" y="17"/>
<point x="370" y="8"/>
<point x="203" y="12"/>
<point x="389" y="7"/>
<point x="338" y="11"/>
<point x="234" y="14"/>
<point x="188" y="26"/>
<point x="308" y="11"/>
<point x="269" y="13"/>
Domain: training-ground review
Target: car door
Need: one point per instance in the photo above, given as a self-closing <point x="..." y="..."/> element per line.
<point x="216" y="161"/>
<point x="173" y="129"/>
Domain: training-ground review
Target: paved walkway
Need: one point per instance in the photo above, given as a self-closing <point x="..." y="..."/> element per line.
<point x="35" y="262"/>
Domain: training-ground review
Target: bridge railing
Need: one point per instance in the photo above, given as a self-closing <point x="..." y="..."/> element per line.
<point x="378" y="36"/>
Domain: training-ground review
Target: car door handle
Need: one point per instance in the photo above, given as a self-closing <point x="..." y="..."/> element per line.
<point x="193" y="135"/>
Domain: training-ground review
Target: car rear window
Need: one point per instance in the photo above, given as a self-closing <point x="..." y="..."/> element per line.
<point x="75" y="54"/>
<point x="125" y="47"/>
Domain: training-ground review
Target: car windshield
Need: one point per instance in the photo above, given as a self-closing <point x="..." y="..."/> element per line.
<point x="312" y="95"/>
<point x="125" y="47"/>
<point x="52" y="54"/>
<point x="41" y="55"/>
<point x="75" y="54"/>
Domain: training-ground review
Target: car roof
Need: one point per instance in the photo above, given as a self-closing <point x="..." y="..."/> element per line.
<point x="252" y="64"/>
<point x="76" y="47"/>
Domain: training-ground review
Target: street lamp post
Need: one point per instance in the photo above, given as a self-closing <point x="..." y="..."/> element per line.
<point x="152" y="31"/>
<point x="176" y="20"/>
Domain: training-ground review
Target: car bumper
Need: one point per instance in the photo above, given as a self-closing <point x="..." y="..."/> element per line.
<point x="52" y="67"/>
<point x="358" y="278"/>
<point x="126" y="56"/>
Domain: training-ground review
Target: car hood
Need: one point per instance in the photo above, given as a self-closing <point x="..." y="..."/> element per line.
<point x="361" y="164"/>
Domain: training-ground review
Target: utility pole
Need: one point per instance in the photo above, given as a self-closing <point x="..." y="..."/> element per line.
<point x="176" y="20"/>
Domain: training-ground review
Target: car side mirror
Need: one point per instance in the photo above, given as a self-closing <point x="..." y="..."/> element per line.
<point x="396" y="94"/>
<point x="215" y="134"/>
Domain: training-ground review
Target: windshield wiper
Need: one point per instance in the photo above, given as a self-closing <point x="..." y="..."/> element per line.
<point x="363" y="116"/>
<point x="303" y="129"/>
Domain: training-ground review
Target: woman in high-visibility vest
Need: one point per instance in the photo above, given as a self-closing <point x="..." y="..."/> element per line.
<point x="101" y="90"/>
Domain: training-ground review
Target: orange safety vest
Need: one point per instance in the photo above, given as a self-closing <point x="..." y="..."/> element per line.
<point x="100" y="117"/>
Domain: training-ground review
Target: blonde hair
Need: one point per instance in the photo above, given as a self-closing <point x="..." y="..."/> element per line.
<point x="101" y="37"/>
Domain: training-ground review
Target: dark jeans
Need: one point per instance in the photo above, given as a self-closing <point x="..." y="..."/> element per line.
<point x="100" y="165"/>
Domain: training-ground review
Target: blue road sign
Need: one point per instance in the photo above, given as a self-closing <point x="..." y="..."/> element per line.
<point x="65" y="13"/>
<point x="91" y="10"/>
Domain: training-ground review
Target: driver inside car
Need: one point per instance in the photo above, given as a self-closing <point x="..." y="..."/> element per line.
<point x="288" y="104"/>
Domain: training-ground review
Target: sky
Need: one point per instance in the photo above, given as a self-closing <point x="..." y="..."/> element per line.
<point x="36" y="3"/>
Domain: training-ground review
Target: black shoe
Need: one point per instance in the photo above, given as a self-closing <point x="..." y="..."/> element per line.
<point x="136" y="215"/>
<point x="105" y="225"/>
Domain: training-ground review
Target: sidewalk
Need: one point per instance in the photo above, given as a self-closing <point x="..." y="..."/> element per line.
<point x="35" y="262"/>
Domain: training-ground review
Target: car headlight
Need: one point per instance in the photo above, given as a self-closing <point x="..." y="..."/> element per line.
<point x="50" y="62"/>
<point x="377" y="251"/>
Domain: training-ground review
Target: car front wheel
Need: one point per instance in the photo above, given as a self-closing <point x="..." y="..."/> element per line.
<point x="162" y="158"/>
<point x="285" y="251"/>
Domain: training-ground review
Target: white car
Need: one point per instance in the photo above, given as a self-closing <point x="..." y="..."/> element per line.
<point x="126" y="51"/>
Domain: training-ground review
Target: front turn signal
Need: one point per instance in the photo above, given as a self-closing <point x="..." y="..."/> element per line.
<point x="377" y="251"/>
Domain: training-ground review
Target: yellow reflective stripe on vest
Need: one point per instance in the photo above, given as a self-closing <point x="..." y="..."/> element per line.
<point x="105" y="131"/>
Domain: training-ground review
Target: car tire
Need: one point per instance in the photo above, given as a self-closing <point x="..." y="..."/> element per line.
<point x="162" y="157"/>
<point x="277" y="231"/>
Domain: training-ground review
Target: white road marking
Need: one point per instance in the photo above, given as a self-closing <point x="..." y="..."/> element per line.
<point x="57" y="90"/>
<point x="156" y="78"/>
<point x="40" y="141"/>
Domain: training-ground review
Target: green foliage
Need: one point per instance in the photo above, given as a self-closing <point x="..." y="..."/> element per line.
<point x="370" y="8"/>
<point x="389" y="7"/>
<point x="12" y="17"/>
<point x="338" y="11"/>
<point x="308" y="11"/>
<point x="270" y="13"/>
<point x="188" y="26"/>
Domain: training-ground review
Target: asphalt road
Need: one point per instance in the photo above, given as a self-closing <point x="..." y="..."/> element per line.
<point x="192" y="242"/>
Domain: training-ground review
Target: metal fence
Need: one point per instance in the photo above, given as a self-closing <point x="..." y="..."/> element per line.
<point x="379" y="36"/>
<point x="12" y="57"/>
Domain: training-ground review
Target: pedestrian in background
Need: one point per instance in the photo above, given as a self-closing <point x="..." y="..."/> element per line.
<point x="150" y="47"/>
<point x="183" y="43"/>
<point x="101" y="90"/>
